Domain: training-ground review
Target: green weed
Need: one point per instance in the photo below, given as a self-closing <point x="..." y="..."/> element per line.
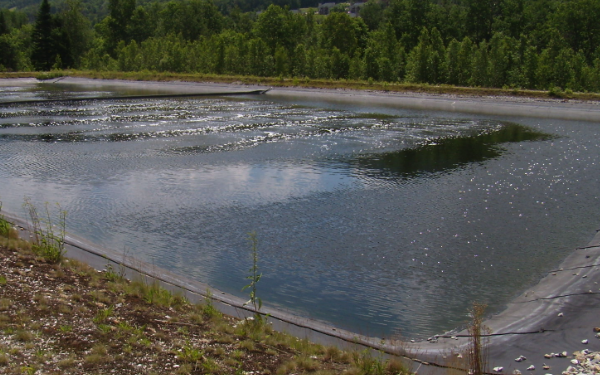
<point x="210" y="366"/>
<point x="208" y="308"/>
<point x="477" y="351"/>
<point x="65" y="328"/>
<point x="111" y="275"/>
<point x="102" y="315"/>
<point x="254" y="278"/>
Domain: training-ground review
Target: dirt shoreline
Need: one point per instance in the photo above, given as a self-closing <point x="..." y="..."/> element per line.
<point x="573" y="290"/>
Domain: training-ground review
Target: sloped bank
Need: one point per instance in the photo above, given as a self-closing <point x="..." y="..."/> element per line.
<point x="554" y="316"/>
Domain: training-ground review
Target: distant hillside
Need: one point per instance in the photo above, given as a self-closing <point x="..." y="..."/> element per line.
<point x="95" y="10"/>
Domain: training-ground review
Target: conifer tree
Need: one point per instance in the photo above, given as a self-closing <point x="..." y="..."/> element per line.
<point x="43" y="54"/>
<point x="3" y="25"/>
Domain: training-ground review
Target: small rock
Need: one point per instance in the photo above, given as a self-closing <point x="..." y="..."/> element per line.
<point x="561" y="315"/>
<point x="520" y="359"/>
<point x="574" y="361"/>
<point x="498" y="369"/>
<point x="459" y="355"/>
<point x="548" y="355"/>
<point x="584" y="342"/>
<point x="563" y="354"/>
<point x="596" y="329"/>
<point x="546" y="367"/>
<point x="516" y="372"/>
<point x="531" y="368"/>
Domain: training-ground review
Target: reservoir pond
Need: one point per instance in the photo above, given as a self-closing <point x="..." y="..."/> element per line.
<point x="381" y="220"/>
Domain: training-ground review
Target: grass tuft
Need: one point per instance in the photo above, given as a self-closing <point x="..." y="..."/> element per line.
<point x="23" y="336"/>
<point x="4" y="359"/>
<point x="48" y="240"/>
<point x="67" y="362"/>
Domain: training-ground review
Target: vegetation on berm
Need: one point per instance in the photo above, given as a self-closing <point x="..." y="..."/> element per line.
<point x="534" y="44"/>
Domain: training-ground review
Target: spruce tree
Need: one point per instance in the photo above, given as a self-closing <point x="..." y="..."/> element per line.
<point x="3" y="25"/>
<point x="43" y="55"/>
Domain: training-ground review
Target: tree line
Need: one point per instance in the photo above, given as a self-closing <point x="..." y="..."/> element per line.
<point x="535" y="44"/>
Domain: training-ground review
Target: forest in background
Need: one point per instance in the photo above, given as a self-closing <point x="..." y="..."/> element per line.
<point x="533" y="44"/>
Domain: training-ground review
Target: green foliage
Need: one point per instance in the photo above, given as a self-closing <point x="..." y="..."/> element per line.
<point x="372" y="14"/>
<point x="58" y="41"/>
<point x="277" y="26"/>
<point x="513" y="43"/>
<point x="48" y="239"/>
<point x="77" y="32"/>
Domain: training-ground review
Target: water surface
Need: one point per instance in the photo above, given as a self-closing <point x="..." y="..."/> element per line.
<point x="379" y="220"/>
